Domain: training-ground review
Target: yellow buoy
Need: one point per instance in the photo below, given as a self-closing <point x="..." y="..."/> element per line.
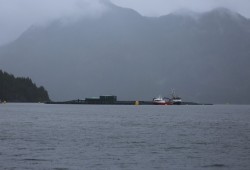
<point x="137" y="103"/>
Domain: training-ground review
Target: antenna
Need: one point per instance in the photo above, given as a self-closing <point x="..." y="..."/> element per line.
<point x="173" y="93"/>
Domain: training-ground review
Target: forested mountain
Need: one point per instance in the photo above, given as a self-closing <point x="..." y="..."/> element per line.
<point x="204" y="56"/>
<point x="18" y="89"/>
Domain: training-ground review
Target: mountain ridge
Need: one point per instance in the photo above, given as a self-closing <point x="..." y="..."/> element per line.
<point x="137" y="57"/>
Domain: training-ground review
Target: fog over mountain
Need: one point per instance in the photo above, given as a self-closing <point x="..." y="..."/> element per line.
<point x="204" y="56"/>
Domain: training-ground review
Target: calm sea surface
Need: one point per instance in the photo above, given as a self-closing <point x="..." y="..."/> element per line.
<point x="79" y="137"/>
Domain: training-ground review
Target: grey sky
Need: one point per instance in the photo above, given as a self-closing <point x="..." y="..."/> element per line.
<point x="161" y="7"/>
<point x="17" y="15"/>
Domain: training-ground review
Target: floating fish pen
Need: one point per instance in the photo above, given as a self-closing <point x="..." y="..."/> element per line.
<point x="112" y="100"/>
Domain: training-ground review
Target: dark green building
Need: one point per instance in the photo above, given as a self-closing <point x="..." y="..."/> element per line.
<point x="108" y="99"/>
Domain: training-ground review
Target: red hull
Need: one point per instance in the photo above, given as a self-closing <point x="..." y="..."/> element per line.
<point x="166" y="103"/>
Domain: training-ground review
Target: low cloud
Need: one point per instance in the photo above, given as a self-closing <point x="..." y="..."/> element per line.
<point x="163" y="7"/>
<point x="17" y="15"/>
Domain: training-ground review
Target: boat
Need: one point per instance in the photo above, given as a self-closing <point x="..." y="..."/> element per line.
<point x="161" y="101"/>
<point x="176" y="100"/>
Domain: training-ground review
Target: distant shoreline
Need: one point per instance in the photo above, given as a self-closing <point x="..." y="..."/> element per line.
<point x="132" y="102"/>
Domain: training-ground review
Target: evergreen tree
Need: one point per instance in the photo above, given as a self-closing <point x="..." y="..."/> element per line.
<point x="20" y="89"/>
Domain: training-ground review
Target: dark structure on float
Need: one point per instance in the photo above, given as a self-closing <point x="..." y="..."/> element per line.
<point x="101" y="100"/>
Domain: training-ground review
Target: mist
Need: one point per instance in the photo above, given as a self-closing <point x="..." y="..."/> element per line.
<point x="17" y="16"/>
<point x="163" y="7"/>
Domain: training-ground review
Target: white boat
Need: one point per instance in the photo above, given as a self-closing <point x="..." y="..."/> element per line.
<point x="176" y="100"/>
<point x="159" y="101"/>
<point x="162" y="101"/>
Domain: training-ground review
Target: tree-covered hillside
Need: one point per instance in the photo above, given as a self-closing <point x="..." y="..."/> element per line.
<point x="15" y="89"/>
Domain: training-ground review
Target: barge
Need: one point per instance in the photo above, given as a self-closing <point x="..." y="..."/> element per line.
<point x="112" y="100"/>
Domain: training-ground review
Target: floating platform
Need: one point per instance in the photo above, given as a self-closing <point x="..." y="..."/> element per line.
<point x="112" y="100"/>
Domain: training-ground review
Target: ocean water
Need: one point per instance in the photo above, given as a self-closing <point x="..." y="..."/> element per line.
<point x="79" y="137"/>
